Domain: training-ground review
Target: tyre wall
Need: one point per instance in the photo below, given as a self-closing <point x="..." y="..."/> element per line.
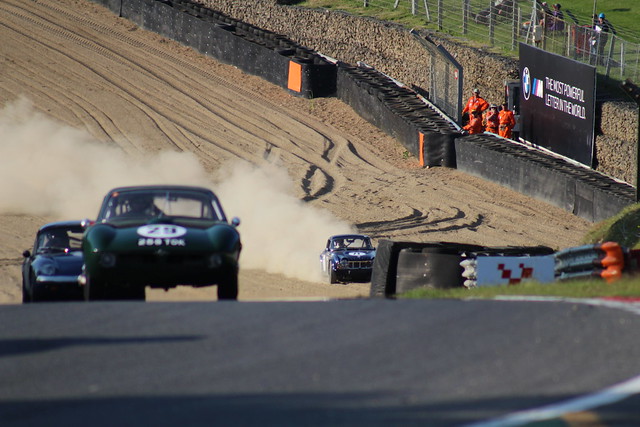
<point x="254" y="50"/>
<point x="400" y="112"/>
<point x="403" y="266"/>
<point x="579" y="190"/>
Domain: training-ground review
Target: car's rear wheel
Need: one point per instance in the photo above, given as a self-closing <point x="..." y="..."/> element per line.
<point x="228" y="288"/>
<point x="128" y="293"/>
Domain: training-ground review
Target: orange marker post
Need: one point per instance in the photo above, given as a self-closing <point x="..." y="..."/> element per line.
<point x="295" y="77"/>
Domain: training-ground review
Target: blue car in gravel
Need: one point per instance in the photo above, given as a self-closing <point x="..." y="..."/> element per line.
<point x="348" y="258"/>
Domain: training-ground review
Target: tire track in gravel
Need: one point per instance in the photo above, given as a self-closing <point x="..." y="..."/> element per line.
<point x="87" y="112"/>
<point x="228" y="118"/>
<point x="176" y="74"/>
<point x="238" y="90"/>
<point x="137" y="93"/>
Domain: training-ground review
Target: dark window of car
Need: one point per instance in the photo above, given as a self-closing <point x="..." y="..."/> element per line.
<point x="59" y="239"/>
<point x="175" y="203"/>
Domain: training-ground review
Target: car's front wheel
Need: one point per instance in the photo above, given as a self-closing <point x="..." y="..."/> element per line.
<point x="333" y="276"/>
<point x="26" y="297"/>
<point x="94" y="289"/>
<point x="228" y="288"/>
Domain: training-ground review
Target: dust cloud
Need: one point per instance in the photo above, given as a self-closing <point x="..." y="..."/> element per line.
<point x="53" y="170"/>
<point x="280" y="233"/>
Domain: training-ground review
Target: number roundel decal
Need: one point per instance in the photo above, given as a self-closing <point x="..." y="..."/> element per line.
<point x="161" y="231"/>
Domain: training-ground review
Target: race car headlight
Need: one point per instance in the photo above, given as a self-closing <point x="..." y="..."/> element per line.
<point x="48" y="269"/>
<point x="107" y="260"/>
<point x="344" y="263"/>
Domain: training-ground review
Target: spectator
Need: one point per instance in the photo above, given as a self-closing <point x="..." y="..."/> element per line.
<point x="601" y="29"/>
<point x="475" y="123"/>
<point x="556" y="19"/>
<point x="506" y="121"/>
<point x="546" y="15"/>
<point x="490" y="119"/>
<point x="476" y="102"/>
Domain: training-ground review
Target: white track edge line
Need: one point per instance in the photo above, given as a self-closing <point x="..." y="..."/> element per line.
<point x="606" y="396"/>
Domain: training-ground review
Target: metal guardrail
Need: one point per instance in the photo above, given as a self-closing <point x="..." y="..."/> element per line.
<point x="502" y="24"/>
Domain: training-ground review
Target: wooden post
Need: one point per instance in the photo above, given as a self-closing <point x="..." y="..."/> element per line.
<point x="465" y="16"/>
<point x="492" y="22"/>
<point x="514" y="25"/>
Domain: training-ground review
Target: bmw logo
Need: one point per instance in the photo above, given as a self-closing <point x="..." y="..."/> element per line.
<point x="526" y="83"/>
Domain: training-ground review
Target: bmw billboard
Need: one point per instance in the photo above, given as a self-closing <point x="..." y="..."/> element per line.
<point x="557" y="103"/>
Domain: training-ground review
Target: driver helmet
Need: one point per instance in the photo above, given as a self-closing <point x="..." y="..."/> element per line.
<point x="57" y="239"/>
<point x="139" y="202"/>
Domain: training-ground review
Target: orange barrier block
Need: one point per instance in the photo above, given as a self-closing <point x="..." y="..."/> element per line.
<point x="421" y="148"/>
<point x="295" y="77"/>
<point x="613" y="261"/>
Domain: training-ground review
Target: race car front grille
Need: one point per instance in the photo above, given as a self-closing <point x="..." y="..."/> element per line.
<point x="355" y="265"/>
<point x="169" y="259"/>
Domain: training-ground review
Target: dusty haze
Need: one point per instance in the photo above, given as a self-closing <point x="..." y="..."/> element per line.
<point x="64" y="172"/>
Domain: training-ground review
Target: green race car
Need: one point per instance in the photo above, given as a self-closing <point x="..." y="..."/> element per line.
<point x="160" y="236"/>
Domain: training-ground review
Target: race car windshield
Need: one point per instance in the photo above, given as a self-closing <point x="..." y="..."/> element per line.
<point x="163" y="203"/>
<point x="352" y="243"/>
<point x="59" y="240"/>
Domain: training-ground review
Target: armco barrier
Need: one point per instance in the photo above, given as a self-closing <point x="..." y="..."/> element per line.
<point x="605" y="260"/>
<point x="400" y="112"/>
<point x="582" y="191"/>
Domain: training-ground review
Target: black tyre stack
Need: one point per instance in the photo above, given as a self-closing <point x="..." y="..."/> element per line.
<point x="402" y="266"/>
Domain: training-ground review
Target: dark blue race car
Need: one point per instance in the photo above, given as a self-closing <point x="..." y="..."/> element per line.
<point x="348" y="258"/>
<point x="50" y="272"/>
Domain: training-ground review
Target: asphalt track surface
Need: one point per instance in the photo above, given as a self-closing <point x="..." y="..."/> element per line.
<point x="352" y="362"/>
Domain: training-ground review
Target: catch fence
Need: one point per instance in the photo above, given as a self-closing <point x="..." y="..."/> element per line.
<point x="503" y="24"/>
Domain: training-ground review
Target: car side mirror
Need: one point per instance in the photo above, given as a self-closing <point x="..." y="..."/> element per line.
<point x="26" y="254"/>
<point x="235" y="221"/>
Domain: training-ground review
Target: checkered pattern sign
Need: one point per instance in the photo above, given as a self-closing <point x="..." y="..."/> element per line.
<point x="505" y="270"/>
